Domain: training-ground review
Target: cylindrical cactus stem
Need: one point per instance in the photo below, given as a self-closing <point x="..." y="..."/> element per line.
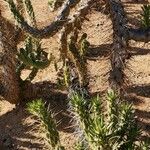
<point x="55" y="4"/>
<point x="10" y="80"/>
<point x="30" y="12"/>
<point x="74" y="25"/>
<point x="20" y="7"/>
<point x="49" y="30"/>
<point x="120" y="43"/>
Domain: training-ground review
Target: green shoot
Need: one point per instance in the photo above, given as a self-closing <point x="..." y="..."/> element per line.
<point x="38" y="109"/>
<point x="145" y="20"/>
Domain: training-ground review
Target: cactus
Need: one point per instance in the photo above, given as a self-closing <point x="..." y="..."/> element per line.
<point x="63" y="78"/>
<point x="38" y="109"/>
<point x="111" y="128"/>
<point x="145" y="145"/>
<point x="102" y="128"/>
<point x="83" y="45"/>
<point x="78" y="51"/>
<point x="30" y="11"/>
<point x="49" y="30"/>
<point x="17" y="15"/>
<point x="54" y="4"/>
<point x="145" y="20"/>
<point x="32" y="55"/>
<point x="32" y="58"/>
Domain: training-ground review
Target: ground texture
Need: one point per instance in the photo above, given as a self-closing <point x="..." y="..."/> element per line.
<point x="18" y="129"/>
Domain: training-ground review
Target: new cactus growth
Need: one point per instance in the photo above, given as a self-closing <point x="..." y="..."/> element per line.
<point x="32" y="55"/>
<point x="38" y="109"/>
<point x="111" y="128"/>
<point x="32" y="58"/>
<point x="145" y="20"/>
<point x="30" y="12"/>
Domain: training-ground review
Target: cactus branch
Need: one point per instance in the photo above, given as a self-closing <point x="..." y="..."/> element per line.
<point x="68" y="28"/>
<point x="30" y="12"/>
<point x="74" y="25"/>
<point x="120" y="42"/>
<point x="49" y="30"/>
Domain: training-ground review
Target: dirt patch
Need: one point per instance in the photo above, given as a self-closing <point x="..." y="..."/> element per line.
<point x="18" y="130"/>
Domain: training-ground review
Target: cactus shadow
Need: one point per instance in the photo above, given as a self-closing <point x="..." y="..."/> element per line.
<point x="15" y="131"/>
<point x="140" y="90"/>
<point x="18" y="130"/>
<point x="143" y="119"/>
<point x="138" y="51"/>
<point x="95" y="51"/>
<point x="55" y="98"/>
<point x="139" y="96"/>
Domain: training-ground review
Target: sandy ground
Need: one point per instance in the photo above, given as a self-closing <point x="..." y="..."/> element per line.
<point x="18" y="130"/>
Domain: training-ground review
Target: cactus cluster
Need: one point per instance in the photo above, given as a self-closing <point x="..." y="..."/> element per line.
<point x="77" y="50"/>
<point x="32" y="58"/>
<point x="101" y="127"/>
<point x="111" y="128"/>
<point x="32" y="55"/>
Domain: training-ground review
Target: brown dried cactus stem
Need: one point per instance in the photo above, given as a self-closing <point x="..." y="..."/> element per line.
<point x="120" y="42"/>
<point x="10" y="80"/>
<point x="75" y="22"/>
<point x="20" y="6"/>
<point x="74" y="25"/>
<point x="136" y="34"/>
<point x="19" y="35"/>
<point x="49" y="30"/>
<point x="30" y="90"/>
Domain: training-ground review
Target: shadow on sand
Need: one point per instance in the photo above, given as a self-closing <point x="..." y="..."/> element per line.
<point x="138" y="95"/>
<point x="15" y="131"/>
